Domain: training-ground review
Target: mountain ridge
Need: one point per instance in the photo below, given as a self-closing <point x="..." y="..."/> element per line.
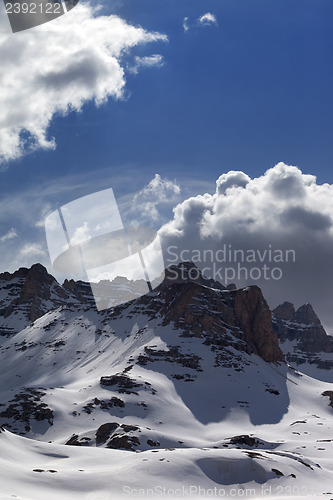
<point x="176" y="378"/>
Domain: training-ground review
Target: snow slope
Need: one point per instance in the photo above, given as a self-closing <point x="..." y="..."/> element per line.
<point x="150" y="411"/>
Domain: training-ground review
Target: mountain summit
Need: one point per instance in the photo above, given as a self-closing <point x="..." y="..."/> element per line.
<point x="204" y="307"/>
<point x="303" y="338"/>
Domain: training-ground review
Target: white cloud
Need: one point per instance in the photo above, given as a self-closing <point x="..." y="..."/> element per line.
<point x="159" y="191"/>
<point x="207" y="19"/>
<point x="156" y="60"/>
<point x="45" y="211"/>
<point x="231" y="179"/>
<point x="283" y="209"/>
<point x="81" y="234"/>
<point x="57" y="67"/>
<point x="9" y="235"/>
<point x="32" y="250"/>
<point x="23" y="254"/>
<point x="160" y="187"/>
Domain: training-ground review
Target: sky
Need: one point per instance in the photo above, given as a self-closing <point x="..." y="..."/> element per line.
<point x="159" y="100"/>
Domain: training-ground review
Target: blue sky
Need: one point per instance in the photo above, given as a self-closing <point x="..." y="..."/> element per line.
<point x="244" y="95"/>
<point x="245" y="92"/>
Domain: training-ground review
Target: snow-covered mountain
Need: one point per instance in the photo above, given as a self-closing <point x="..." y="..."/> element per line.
<point x="303" y="340"/>
<point x="183" y="389"/>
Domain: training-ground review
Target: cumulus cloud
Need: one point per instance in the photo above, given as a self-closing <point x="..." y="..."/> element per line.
<point x="9" y="235"/>
<point x="207" y="19"/>
<point x="231" y="179"/>
<point x="158" y="192"/>
<point x="282" y="220"/>
<point x="57" y="67"/>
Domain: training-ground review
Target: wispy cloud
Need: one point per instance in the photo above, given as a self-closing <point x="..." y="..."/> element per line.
<point x="186" y="26"/>
<point x="158" y="192"/>
<point x="32" y="250"/>
<point x="155" y="60"/>
<point x="45" y="72"/>
<point x="9" y="235"/>
<point x="207" y="19"/>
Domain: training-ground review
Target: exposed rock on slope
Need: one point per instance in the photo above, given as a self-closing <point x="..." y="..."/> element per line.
<point x="255" y="320"/>
<point x="302" y="335"/>
<point x="330" y="395"/>
<point x="204" y="308"/>
<point x="28" y="294"/>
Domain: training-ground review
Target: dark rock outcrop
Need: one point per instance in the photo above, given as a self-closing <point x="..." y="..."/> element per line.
<point x="305" y="315"/>
<point x="123" y="442"/>
<point x="284" y="311"/>
<point x="187" y="272"/>
<point x="75" y="440"/>
<point x="244" y="439"/>
<point x="31" y="293"/>
<point x="25" y="409"/>
<point x="304" y="330"/>
<point x="104" y="432"/>
<point x="330" y="395"/>
<point x="255" y="320"/>
<point x="204" y="308"/>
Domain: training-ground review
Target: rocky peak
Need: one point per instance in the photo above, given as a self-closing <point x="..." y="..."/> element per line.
<point x="80" y="289"/>
<point x="30" y="293"/>
<point x="290" y="324"/>
<point x="306" y="315"/>
<point x="37" y="282"/>
<point x="285" y="311"/>
<point x="205" y="308"/>
<point x="188" y="272"/>
<point x="301" y="334"/>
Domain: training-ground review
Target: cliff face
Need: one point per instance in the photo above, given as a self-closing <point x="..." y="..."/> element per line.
<point x="255" y="320"/>
<point x="36" y="290"/>
<point x="224" y="317"/>
<point x="302" y="336"/>
<point x="27" y="295"/>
